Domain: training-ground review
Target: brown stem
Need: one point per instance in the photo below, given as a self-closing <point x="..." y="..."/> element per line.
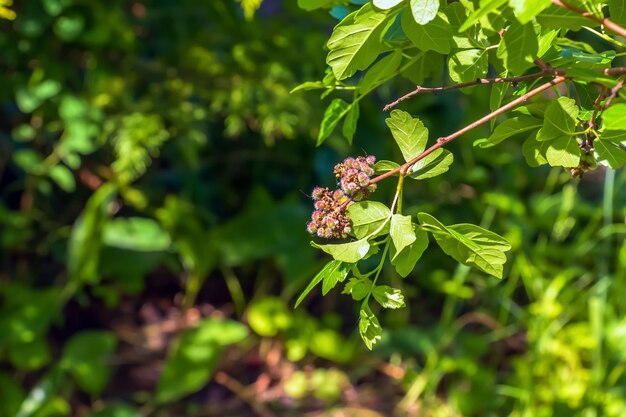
<point x="601" y="20"/>
<point x="613" y="93"/>
<point x="445" y="139"/>
<point x="419" y="89"/>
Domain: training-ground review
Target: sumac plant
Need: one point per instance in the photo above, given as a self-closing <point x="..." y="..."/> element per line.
<point x="519" y="49"/>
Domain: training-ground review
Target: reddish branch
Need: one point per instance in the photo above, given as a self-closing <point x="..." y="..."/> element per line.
<point x="601" y="20"/>
<point x="403" y="169"/>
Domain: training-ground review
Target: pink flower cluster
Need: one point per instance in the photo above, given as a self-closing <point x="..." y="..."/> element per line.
<point x="353" y="179"/>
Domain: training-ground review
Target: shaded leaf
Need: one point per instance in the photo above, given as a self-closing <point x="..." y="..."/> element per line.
<point x="350" y="122"/>
<point x="401" y="231"/>
<point x="510" y="127"/>
<point x="434" y="164"/>
<point x="381" y="71"/>
<point x="358" y="288"/>
<point x="408" y="132"/>
<point x="335" y="111"/>
<point x="331" y="268"/>
<point x="86" y="355"/>
<point x="468" y="65"/>
<point x="405" y="261"/>
<point x="609" y="152"/>
<point x="519" y="47"/>
<point x="435" y="35"/>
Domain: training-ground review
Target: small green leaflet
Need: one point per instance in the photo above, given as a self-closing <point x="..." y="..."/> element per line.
<point x="386" y="4"/>
<point x="563" y="152"/>
<point x="609" y="152"/>
<point x="355" y="41"/>
<point x="332" y="268"/>
<point x="380" y="71"/>
<point x="469" y="244"/>
<point x="351" y="252"/>
<point x="468" y="65"/>
<point x="369" y="327"/>
<point x="358" y="288"/>
<point x="384" y="166"/>
<point x="367" y="217"/>
<point x="401" y="231"/>
<point x="404" y="262"/>
<point x="333" y="114"/>
<point x="424" y="10"/>
<point x="614" y="118"/>
<point x="432" y="165"/>
<point x="435" y="35"/>
<point x="559" y="120"/>
<point x="485" y="8"/>
<point x="508" y="128"/>
<point x="535" y="151"/>
<point x="337" y="275"/>
<point x="519" y="47"/>
<point x="526" y="10"/>
<point x="350" y="122"/>
<point x="408" y="132"/>
<point x="388" y="297"/>
<point x="308" y="85"/>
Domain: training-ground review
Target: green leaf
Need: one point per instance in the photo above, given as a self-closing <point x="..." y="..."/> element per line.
<point x="614" y="118"/>
<point x="63" y="177"/>
<point x="408" y="132"/>
<point x="559" y="120"/>
<point x="358" y="288"/>
<point x="30" y="355"/>
<point x="469" y="244"/>
<point x="331" y="268"/>
<point x="11" y="395"/>
<point x="367" y="217"/>
<point x="424" y="10"/>
<point x="136" y="233"/>
<point x="434" y="164"/>
<point x="526" y="10"/>
<point x="346" y="252"/>
<point x="616" y="136"/>
<point x="485" y="8"/>
<point x="510" y="127"/>
<point x="609" y="152"/>
<point x="194" y="355"/>
<point x="369" y="327"/>
<point x="355" y="41"/>
<point x="401" y="231"/>
<point x="315" y="4"/>
<point x="42" y="393"/>
<point x="268" y="316"/>
<point x="435" y="35"/>
<point x="331" y="280"/>
<point x="385" y="166"/>
<point x="333" y="114"/>
<point x="308" y="85"/>
<point x="86" y="355"/>
<point x="388" y="297"/>
<point x="381" y="71"/>
<point x="617" y="10"/>
<point x="468" y="65"/>
<point x="386" y="4"/>
<point x="563" y="152"/>
<point x="349" y="124"/>
<point x="535" y="151"/>
<point x="117" y="410"/>
<point x="555" y="17"/>
<point x="519" y="47"/>
<point x="404" y="261"/>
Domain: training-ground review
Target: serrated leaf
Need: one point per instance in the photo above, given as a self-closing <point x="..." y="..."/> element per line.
<point x="609" y="152"/>
<point x="385" y="166"/>
<point x="435" y="35"/>
<point x="355" y="42"/>
<point x="519" y="47"/>
<point x="367" y="217"/>
<point x="614" y="118"/>
<point x="330" y="268"/>
<point x="369" y="327"/>
<point x="358" y="288"/>
<point x="351" y="252"/>
<point x="386" y="4"/>
<point x="559" y="120"/>
<point x="563" y="152"/>
<point x="434" y="164"/>
<point x="408" y="132"/>
<point x="485" y="8"/>
<point x="405" y="261"/>
<point x="468" y="65"/>
<point x="469" y="244"/>
<point x="388" y="297"/>
<point x="511" y="127"/>
<point x="526" y="10"/>
<point x="381" y="71"/>
<point x="401" y="231"/>
<point x="424" y="10"/>
<point x="350" y="122"/>
<point x="335" y="111"/>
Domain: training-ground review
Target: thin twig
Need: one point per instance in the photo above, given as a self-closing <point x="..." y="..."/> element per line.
<point x="419" y="89"/>
<point x="601" y="20"/>
<point x="613" y="93"/>
<point x="240" y="391"/>
<point x="446" y="139"/>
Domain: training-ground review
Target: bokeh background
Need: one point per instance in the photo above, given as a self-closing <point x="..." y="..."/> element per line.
<point x="154" y="175"/>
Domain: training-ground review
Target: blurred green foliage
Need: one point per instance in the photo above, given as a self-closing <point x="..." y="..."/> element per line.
<point x="151" y="157"/>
